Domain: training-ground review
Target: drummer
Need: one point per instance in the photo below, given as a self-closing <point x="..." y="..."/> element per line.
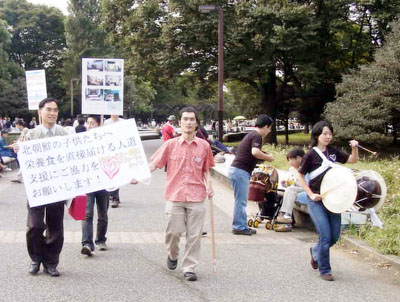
<point x="317" y="161"/>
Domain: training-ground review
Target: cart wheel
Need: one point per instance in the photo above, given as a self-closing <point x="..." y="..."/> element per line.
<point x="274" y="226"/>
<point x="268" y="225"/>
<point x="250" y="223"/>
<point x="256" y="223"/>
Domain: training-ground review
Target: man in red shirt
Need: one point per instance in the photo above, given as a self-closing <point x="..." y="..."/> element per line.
<point x="168" y="130"/>
<point x="189" y="160"/>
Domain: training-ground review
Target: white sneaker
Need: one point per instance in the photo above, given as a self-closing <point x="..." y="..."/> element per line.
<point x="284" y="218"/>
<point x="102" y="246"/>
<point x="86" y="250"/>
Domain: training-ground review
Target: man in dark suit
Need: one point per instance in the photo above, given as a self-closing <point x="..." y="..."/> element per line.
<point x="49" y="217"/>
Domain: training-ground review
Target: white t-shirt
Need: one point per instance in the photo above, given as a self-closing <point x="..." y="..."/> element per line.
<point x="110" y="121"/>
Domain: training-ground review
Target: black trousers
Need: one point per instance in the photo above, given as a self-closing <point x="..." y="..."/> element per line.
<point x="115" y="194"/>
<point x="45" y="248"/>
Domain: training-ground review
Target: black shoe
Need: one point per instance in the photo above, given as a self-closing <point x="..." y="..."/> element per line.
<point x="34" y="268"/>
<point x="115" y="203"/>
<point x="247" y="232"/>
<point x="52" y="271"/>
<point x="86" y="250"/>
<point x="252" y="231"/>
<point x="203" y="233"/>
<point x="190" y="276"/>
<point x="172" y="264"/>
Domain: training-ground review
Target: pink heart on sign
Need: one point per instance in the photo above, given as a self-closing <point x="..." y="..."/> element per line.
<point x="110" y="166"/>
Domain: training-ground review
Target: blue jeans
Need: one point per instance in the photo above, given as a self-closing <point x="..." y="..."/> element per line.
<point x="101" y="198"/>
<point x="328" y="228"/>
<point x="240" y="181"/>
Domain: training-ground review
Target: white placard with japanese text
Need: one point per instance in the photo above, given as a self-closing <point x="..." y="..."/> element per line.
<point x="62" y="167"/>
<point x="36" y="89"/>
<point x="102" y="86"/>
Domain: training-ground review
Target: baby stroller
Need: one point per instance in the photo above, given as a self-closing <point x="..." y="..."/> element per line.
<point x="263" y="191"/>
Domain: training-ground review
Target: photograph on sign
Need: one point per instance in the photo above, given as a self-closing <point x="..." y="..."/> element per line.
<point x="36" y="89"/>
<point x="62" y="167"/>
<point x="102" y="86"/>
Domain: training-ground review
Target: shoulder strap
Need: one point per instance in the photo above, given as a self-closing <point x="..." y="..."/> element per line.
<point x="326" y="164"/>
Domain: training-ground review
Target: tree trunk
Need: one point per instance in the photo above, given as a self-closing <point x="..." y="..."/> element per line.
<point x="307" y="128"/>
<point x="269" y="102"/>
<point x="287" y="131"/>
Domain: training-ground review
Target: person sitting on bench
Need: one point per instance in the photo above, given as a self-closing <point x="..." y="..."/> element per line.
<point x="292" y="185"/>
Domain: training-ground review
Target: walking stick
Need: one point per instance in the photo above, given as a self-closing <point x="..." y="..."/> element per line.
<point x="212" y="234"/>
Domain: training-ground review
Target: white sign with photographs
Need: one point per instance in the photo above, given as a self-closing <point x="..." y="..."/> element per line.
<point x="62" y="167"/>
<point x="35" y="87"/>
<point x="102" y="86"/>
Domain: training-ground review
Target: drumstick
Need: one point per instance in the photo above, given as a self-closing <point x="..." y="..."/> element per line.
<point x="373" y="153"/>
<point x="212" y="235"/>
<point x="330" y="189"/>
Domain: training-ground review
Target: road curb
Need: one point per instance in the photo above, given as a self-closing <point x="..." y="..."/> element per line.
<point x="370" y="253"/>
<point x="145" y="137"/>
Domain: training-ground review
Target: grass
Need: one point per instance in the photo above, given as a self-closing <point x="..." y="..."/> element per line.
<point x="294" y="139"/>
<point x="300" y="139"/>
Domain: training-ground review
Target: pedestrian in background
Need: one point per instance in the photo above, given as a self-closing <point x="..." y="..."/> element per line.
<point x="20" y="124"/>
<point x="168" y="130"/>
<point x="101" y="198"/>
<point x="249" y="152"/>
<point x="114" y="194"/>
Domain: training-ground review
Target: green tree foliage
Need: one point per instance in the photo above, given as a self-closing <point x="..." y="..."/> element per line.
<point x="262" y="38"/>
<point x="368" y="102"/>
<point x="8" y="69"/>
<point x="13" y="99"/>
<point x="85" y="38"/>
<point x="285" y="50"/>
<point x="139" y="95"/>
<point x="240" y="99"/>
<point x="348" y="34"/>
<point x="10" y="77"/>
<point x="37" y="39"/>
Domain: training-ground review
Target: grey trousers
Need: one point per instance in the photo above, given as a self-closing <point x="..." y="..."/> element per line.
<point x="184" y="217"/>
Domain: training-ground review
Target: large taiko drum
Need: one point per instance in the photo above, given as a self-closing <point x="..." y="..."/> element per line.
<point x="343" y="189"/>
<point x="263" y="179"/>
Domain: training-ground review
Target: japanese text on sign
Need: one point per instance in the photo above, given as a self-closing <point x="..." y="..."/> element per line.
<point x="60" y="168"/>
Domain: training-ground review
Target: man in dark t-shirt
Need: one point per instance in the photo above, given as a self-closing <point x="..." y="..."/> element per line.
<point x="248" y="154"/>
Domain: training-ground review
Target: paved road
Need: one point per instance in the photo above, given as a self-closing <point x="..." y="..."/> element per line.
<point x="267" y="267"/>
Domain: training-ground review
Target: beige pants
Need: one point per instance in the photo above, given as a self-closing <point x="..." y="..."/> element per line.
<point x="184" y="217"/>
<point x="289" y="197"/>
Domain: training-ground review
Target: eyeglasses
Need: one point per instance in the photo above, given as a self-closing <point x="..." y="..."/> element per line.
<point x="48" y="109"/>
